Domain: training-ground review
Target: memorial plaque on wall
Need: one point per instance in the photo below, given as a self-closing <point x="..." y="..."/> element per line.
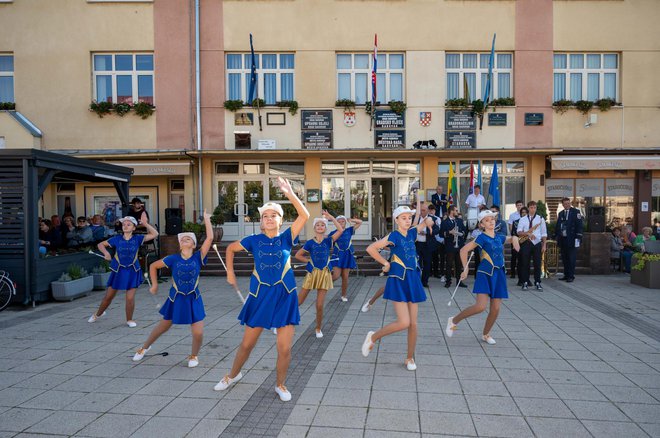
<point x="497" y="119"/>
<point x="317" y="140"/>
<point x="389" y="119"/>
<point x="559" y="188"/>
<point x="460" y="121"/>
<point x="460" y="139"/>
<point x="316" y="120"/>
<point x="533" y="119"/>
<point x="390" y="139"/>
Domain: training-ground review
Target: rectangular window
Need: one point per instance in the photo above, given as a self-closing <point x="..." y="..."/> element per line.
<point x="586" y="76"/>
<point x="354" y="77"/>
<point x="275" y="76"/>
<point x="7" y="78"/>
<point x="470" y="71"/>
<point x="123" y="77"/>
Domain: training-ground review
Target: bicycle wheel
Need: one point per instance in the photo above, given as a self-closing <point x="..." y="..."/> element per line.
<point x="6" y="291"/>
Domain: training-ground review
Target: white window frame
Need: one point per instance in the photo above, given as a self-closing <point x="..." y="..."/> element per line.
<point x="10" y="74"/>
<point x="245" y="70"/>
<point x="584" y="71"/>
<point x="380" y="70"/>
<point x="133" y="73"/>
<point x="479" y="71"/>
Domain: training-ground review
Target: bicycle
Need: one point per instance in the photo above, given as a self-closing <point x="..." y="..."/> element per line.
<point x="7" y="289"/>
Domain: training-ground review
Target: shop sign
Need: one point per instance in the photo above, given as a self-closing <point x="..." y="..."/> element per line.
<point x="316" y="120"/>
<point x="533" y="119"/>
<point x="605" y="163"/>
<point x="497" y="119"/>
<point x="589" y="188"/>
<point x="389" y="119"/>
<point x="620" y="187"/>
<point x="559" y="188"/>
<point x="460" y="139"/>
<point x="655" y="188"/>
<point x="267" y="145"/>
<point x="156" y="168"/>
<point x="460" y="121"/>
<point x="390" y="139"/>
<point x="317" y="140"/>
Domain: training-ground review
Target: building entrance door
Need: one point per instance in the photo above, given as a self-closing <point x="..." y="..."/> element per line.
<point x="381" y="207"/>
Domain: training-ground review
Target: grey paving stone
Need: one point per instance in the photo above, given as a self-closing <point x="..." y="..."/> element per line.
<point x="313" y="396"/>
<point x="96" y="402"/>
<point x="652" y="429"/>
<point x="165" y="427"/>
<point x="530" y="389"/>
<point x="64" y="422"/>
<point x="302" y="415"/>
<point x="501" y="426"/>
<point x="405" y="383"/>
<point x="114" y="425"/>
<point x="614" y="429"/>
<point x="555" y="427"/>
<point x="332" y="416"/>
<point x="449" y="423"/>
<point x="123" y="385"/>
<point x="333" y="432"/>
<point x="543" y="407"/>
<point x="442" y="402"/>
<point x="440" y="386"/>
<point x="18" y="419"/>
<point x="142" y="404"/>
<point x="483" y="387"/>
<point x="516" y="375"/>
<point x="611" y="379"/>
<point x="626" y="394"/>
<point x="342" y="397"/>
<point x="225" y="409"/>
<point x="477" y="373"/>
<point x="480" y="404"/>
<point x="593" y="410"/>
<point x="42" y="381"/>
<point x="641" y="413"/>
<point x="578" y="392"/>
<point x="173" y="387"/>
<point x="347" y="381"/>
<point x="188" y="407"/>
<point x="392" y="420"/>
<point x="393" y="400"/>
<point x="53" y="400"/>
<point x="15" y="396"/>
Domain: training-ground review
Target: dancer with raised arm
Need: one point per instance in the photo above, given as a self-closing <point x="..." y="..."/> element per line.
<point x="343" y="259"/>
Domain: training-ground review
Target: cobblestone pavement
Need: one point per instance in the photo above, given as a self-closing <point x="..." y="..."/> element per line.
<point x="579" y="359"/>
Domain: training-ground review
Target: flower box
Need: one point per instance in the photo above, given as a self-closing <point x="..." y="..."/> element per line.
<point x="648" y="276"/>
<point x="69" y="290"/>
<point x="101" y="280"/>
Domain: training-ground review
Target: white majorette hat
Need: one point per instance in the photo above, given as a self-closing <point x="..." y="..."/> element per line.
<point x="341" y="216"/>
<point x="277" y="208"/>
<point x="320" y="219"/>
<point x="130" y="219"/>
<point x="486" y="213"/>
<point x="402" y="209"/>
<point x="191" y="235"/>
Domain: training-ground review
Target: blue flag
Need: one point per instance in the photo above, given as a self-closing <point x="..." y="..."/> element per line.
<point x="491" y="61"/>
<point x="253" y="74"/>
<point x="494" y="186"/>
<point x="479" y="175"/>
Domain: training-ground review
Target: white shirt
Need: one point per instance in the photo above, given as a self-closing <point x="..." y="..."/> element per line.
<point x="514" y="217"/>
<point x="421" y="235"/>
<point x="526" y="223"/>
<point x="474" y="201"/>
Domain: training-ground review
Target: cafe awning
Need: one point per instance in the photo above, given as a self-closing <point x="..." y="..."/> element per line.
<point x="605" y="162"/>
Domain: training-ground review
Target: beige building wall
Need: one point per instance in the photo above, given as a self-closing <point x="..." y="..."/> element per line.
<point x="52" y="43"/>
<point x="14" y="135"/>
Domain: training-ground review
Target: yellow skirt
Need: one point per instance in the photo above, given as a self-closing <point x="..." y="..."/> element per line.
<point x="318" y="279"/>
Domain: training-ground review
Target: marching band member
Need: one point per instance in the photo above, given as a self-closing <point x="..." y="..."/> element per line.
<point x="533" y="231"/>
<point x="425" y="243"/>
<point x="438" y="256"/>
<point x="514" y="232"/>
<point x="453" y="230"/>
<point x="569" y="236"/>
<point x="343" y="258"/>
<point x="491" y="278"/>
<point x="513" y="217"/>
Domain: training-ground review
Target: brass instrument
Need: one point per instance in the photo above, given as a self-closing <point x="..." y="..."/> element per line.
<point x="550" y="259"/>
<point x="454" y="231"/>
<point x="525" y="237"/>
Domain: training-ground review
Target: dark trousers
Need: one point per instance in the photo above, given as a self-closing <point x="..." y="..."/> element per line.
<point x="514" y="262"/>
<point x="477" y="260"/>
<point x="453" y="262"/>
<point x="530" y="253"/>
<point x="438" y="262"/>
<point x="425" y="255"/>
<point x="568" y="257"/>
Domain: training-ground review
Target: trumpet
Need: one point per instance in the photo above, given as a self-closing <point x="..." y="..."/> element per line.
<point x="528" y="233"/>
<point x="457" y="234"/>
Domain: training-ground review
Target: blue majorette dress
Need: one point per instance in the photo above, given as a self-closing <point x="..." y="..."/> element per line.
<point x="342" y="253"/>
<point x="184" y="303"/>
<point x="404" y="281"/>
<point x="318" y="269"/>
<point x="491" y="278"/>
<point x="273" y="300"/>
<point x="125" y="266"/>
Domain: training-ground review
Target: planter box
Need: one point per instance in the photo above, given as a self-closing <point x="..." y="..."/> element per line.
<point x="100" y="280"/>
<point x="648" y="277"/>
<point x="68" y="290"/>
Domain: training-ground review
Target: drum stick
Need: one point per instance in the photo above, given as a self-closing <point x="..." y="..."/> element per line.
<point x="240" y="295"/>
<point x="467" y="267"/>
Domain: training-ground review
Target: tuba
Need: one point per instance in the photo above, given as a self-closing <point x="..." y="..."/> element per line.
<point x="550" y="259"/>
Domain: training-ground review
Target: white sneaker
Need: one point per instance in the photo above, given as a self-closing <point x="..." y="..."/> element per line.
<point x="367" y="345"/>
<point x="443" y="279"/>
<point x="319" y="334"/>
<point x="451" y="327"/>
<point x="284" y="393"/>
<point x="93" y="318"/>
<point x="274" y="331"/>
<point x="410" y="364"/>
<point x="193" y="361"/>
<point x="139" y="355"/>
<point x="366" y="307"/>
<point x="131" y="323"/>
<point x="488" y="339"/>
<point x="226" y="382"/>
<point x="344" y="299"/>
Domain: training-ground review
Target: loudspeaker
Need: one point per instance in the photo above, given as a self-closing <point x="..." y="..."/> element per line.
<point x="596" y="223"/>
<point x="173" y="225"/>
<point x="173" y="212"/>
<point x="597" y="211"/>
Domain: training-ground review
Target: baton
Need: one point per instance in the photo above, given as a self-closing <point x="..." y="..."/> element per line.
<point x="96" y="254"/>
<point x="240" y="295"/>
<point x="467" y="267"/>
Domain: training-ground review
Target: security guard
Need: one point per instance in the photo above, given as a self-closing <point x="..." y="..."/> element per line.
<point x="569" y="237"/>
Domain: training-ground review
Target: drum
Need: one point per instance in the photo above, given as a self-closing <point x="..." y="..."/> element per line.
<point x="472" y="218"/>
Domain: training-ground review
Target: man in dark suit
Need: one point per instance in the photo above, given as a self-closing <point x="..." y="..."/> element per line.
<point x="453" y="228"/>
<point x="569" y="236"/>
<point x="438" y="257"/>
<point x="439" y="200"/>
<point x="425" y="244"/>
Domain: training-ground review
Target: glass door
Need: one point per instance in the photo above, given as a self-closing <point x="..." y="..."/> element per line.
<point x="239" y="201"/>
<point x="358" y="205"/>
<point x="228" y="202"/>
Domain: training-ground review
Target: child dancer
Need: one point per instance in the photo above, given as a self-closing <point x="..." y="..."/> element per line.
<point x="404" y="284"/>
<point x="343" y="259"/>
<point x="125" y="266"/>
<point x="272" y="301"/>
<point x="184" y="303"/>
<point x="491" y="278"/>
<point x="316" y="252"/>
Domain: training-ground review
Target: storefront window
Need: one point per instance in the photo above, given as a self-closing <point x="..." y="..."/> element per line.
<point x="227" y="197"/>
<point x="286" y="170"/>
<point x="514" y="190"/>
<point x="408" y="167"/>
<point x="358" y="167"/>
<point x="332" y="167"/>
<point x="383" y="167"/>
<point x="619" y="211"/>
<point x="332" y="195"/>
<point x="359" y="199"/>
<point x="405" y="189"/>
<point x="254" y="169"/>
<point x="226" y="168"/>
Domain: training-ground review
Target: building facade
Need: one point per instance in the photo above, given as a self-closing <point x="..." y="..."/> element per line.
<point x="314" y="64"/>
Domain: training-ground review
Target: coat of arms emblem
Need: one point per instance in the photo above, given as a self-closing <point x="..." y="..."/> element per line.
<point x="425" y="118"/>
<point x="349" y="118"/>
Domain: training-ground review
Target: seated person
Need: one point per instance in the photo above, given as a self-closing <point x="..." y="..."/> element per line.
<point x="99" y="230"/>
<point x="81" y="234"/>
<point x="49" y="236"/>
<point x="616" y="246"/>
<point x="638" y="243"/>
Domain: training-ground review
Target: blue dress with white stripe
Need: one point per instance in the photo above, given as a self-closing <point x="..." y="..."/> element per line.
<point x="184" y="303"/>
<point x="491" y="278"/>
<point x="404" y="281"/>
<point x="342" y="252"/>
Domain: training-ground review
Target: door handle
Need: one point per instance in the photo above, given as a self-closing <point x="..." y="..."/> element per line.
<point x="236" y="209"/>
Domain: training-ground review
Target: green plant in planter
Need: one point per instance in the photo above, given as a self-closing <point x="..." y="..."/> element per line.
<point x="605" y="104"/>
<point x="233" y="105"/>
<point x="102" y="267"/>
<point x="258" y="103"/>
<point x="100" y="108"/>
<point x="562" y="105"/>
<point x="368" y="109"/>
<point x="397" y="106"/>
<point x="143" y="109"/>
<point x="478" y="107"/>
<point x="291" y="104"/>
<point x="456" y="104"/>
<point x="193" y="227"/>
<point x="541" y="209"/>
<point x="584" y="106"/>
<point x="552" y="226"/>
<point x="503" y="101"/>
<point x="7" y="106"/>
<point x="74" y="272"/>
<point x="641" y="259"/>
<point x="121" y="109"/>
<point x="347" y="104"/>
<point x="218" y="218"/>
